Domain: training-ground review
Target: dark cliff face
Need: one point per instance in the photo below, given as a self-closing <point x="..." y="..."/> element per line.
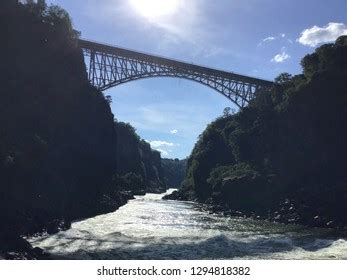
<point x="57" y="138"/>
<point x="152" y="162"/>
<point x="128" y="156"/>
<point x="174" y="171"/>
<point x="136" y="160"/>
<point x="284" y="155"/>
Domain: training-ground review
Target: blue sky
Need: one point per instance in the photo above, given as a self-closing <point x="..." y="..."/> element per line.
<point x="261" y="38"/>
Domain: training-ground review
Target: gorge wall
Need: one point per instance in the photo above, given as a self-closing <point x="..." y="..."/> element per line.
<point x="61" y="152"/>
<point x="283" y="157"/>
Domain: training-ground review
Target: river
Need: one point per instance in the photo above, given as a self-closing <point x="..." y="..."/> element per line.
<point x="151" y="228"/>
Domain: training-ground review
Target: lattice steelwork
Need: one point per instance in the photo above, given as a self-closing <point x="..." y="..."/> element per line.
<point x="110" y="66"/>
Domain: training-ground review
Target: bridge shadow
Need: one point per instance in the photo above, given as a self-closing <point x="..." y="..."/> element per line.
<point x="117" y="246"/>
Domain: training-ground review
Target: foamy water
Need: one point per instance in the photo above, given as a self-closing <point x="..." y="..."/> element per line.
<point x="151" y="228"/>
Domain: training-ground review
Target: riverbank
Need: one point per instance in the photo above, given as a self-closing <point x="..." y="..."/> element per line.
<point x="289" y="212"/>
<point x="17" y="247"/>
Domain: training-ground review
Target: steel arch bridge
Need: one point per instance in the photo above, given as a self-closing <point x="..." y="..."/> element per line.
<point x="109" y="66"/>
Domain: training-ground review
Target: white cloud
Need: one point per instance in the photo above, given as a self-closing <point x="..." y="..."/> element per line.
<point x="317" y="35"/>
<point x="271" y="38"/>
<point x="281" y="57"/>
<point x="163" y="152"/>
<point x="157" y="144"/>
<point x="267" y="39"/>
<point x="160" y="145"/>
<point x="174" y="131"/>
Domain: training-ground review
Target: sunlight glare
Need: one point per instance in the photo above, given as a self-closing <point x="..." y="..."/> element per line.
<point x="152" y="9"/>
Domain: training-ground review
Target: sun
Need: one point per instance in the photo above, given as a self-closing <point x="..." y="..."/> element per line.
<point x="153" y="9"/>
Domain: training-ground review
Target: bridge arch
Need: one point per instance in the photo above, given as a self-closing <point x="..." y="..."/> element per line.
<point x="110" y="66"/>
<point x="233" y="96"/>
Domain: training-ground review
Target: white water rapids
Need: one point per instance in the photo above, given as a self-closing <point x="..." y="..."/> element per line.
<point x="151" y="228"/>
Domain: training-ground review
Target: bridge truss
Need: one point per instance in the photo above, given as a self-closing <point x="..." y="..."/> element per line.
<point x="109" y="66"/>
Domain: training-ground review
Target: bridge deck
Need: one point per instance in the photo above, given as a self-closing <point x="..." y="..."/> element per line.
<point x="169" y="62"/>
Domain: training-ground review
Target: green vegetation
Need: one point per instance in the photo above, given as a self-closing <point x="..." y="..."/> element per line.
<point x="139" y="167"/>
<point x="284" y="155"/>
<point x="174" y="171"/>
